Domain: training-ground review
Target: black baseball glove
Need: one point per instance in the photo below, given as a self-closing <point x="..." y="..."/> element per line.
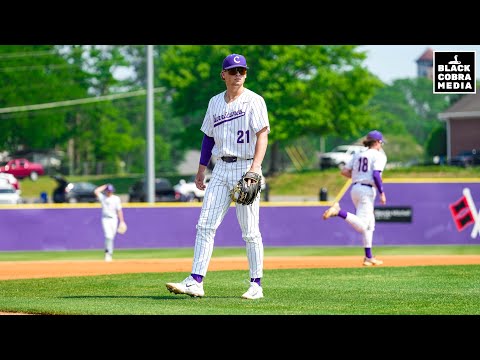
<point x="246" y="194"/>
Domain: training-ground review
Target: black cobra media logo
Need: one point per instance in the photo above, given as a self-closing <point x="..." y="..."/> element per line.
<point x="454" y="72"/>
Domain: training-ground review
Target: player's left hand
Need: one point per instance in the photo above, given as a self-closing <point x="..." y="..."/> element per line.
<point x="122" y="227"/>
<point x="245" y="192"/>
<point x="253" y="169"/>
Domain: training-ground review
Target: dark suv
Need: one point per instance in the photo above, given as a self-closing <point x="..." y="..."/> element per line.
<point x="163" y="191"/>
<point x="75" y="192"/>
<point x="466" y="158"/>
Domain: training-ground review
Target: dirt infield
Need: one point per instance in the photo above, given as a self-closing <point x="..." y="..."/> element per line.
<point x="10" y="270"/>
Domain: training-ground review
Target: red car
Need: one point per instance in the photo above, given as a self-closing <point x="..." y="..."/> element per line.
<point x="22" y="168"/>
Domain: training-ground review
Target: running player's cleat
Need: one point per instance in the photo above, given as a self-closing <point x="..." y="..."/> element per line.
<point x="331" y="211"/>
<point x="255" y="291"/>
<point x="371" y="261"/>
<point x="189" y="286"/>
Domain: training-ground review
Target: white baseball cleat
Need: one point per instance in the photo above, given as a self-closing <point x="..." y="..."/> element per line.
<point x="255" y="291"/>
<point x="371" y="261"/>
<point x="108" y="257"/>
<point x="331" y="211"/>
<point x="189" y="286"/>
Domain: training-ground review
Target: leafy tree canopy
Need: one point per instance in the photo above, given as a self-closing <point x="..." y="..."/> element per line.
<point x="309" y="89"/>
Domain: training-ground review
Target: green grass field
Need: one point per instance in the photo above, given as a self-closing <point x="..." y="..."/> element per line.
<point x="425" y="290"/>
<point x="418" y="290"/>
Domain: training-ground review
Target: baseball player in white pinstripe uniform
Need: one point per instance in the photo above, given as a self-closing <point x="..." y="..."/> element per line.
<point x="365" y="169"/>
<point x="235" y="128"/>
<point x="112" y="213"/>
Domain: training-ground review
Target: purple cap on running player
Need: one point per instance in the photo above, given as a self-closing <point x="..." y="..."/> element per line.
<point x="234" y="60"/>
<point x="375" y="135"/>
<point x="110" y="188"/>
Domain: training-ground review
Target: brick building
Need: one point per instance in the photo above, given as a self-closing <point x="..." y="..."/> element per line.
<point x="463" y="124"/>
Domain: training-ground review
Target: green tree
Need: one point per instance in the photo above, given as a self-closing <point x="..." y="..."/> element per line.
<point x="98" y="137"/>
<point x="100" y="133"/>
<point x="32" y="75"/>
<point x="402" y="149"/>
<point x="309" y="89"/>
<point x="167" y="126"/>
<point x="436" y="144"/>
<point x="409" y="107"/>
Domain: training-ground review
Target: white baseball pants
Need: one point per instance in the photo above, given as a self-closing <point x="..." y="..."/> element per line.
<point x="109" y="229"/>
<point x="363" y="220"/>
<point x="216" y="203"/>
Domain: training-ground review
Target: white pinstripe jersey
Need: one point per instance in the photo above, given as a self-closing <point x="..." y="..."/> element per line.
<point x="110" y="205"/>
<point x="234" y="126"/>
<point x="364" y="163"/>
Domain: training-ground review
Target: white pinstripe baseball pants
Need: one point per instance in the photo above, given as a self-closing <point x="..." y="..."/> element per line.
<point x="216" y="203"/>
<point x="363" y="221"/>
<point x="110" y="230"/>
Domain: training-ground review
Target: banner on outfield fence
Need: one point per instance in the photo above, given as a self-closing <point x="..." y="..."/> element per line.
<point x="464" y="213"/>
<point x="401" y="214"/>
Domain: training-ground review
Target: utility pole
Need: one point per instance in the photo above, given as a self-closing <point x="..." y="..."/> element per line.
<point x="150" y="163"/>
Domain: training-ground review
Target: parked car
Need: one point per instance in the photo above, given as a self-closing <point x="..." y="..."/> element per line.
<point x="339" y="156"/>
<point x="466" y="158"/>
<point x="22" y="168"/>
<point x="6" y="178"/>
<point x="80" y="192"/>
<point x="164" y="191"/>
<point x="73" y="192"/>
<point x="8" y="194"/>
<point x="188" y="190"/>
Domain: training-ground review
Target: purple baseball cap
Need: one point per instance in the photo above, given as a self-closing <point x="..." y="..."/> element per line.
<point x="375" y="135"/>
<point x="110" y="188"/>
<point x="234" y="60"/>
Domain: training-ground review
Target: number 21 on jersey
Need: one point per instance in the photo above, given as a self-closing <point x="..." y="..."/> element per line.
<point x="241" y="134"/>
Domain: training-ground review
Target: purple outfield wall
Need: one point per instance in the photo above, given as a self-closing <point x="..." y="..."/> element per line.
<point x="55" y="227"/>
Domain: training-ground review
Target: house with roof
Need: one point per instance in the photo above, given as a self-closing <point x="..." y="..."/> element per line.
<point x="463" y="124"/>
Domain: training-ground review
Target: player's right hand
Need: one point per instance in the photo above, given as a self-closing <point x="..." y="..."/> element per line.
<point x="199" y="181"/>
<point x="383" y="198"/>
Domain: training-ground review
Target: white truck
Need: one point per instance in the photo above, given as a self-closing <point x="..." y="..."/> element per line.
<point x="339" y="156"/>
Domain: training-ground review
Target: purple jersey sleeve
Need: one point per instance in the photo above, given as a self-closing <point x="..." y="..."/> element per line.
<point x="377" y="178"/>
<point x="206" y="152"/>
